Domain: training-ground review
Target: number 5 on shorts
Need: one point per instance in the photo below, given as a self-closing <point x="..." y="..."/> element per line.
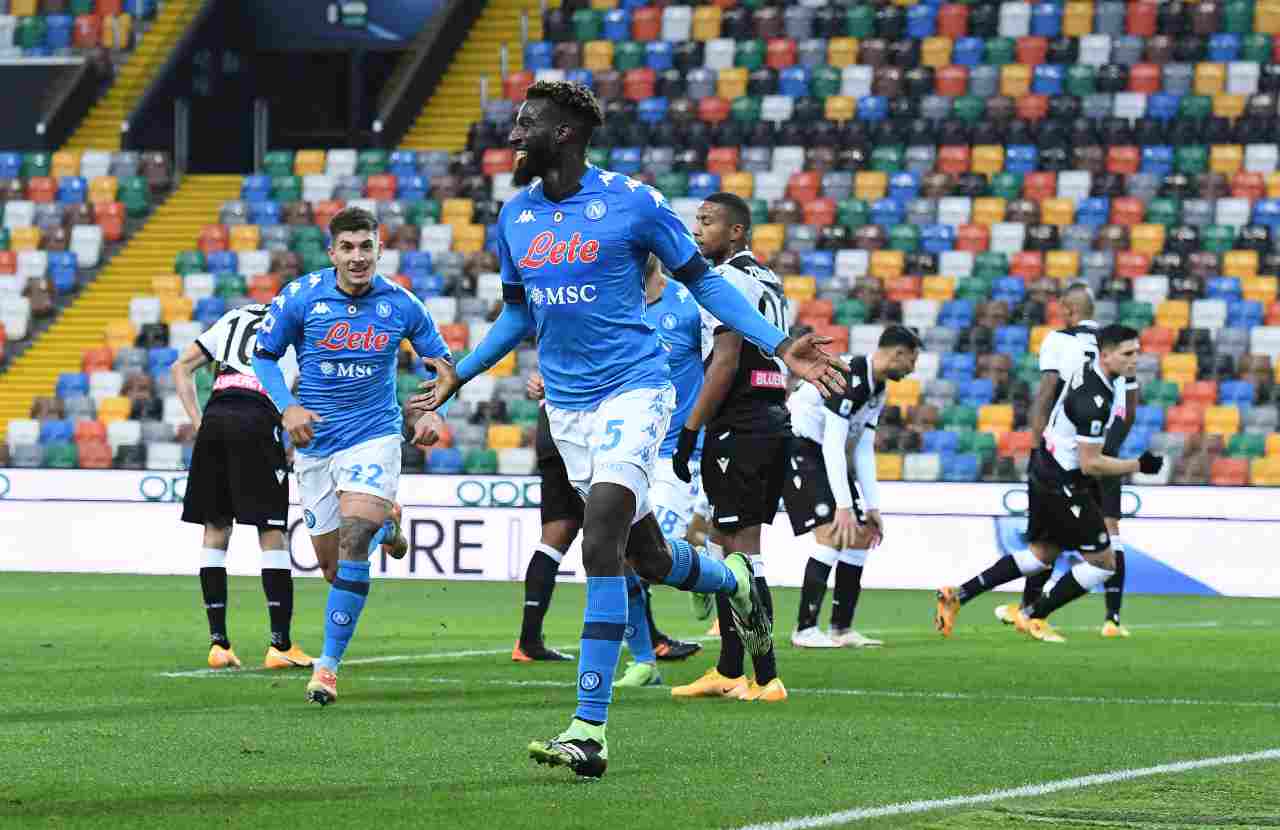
<point x="614" y="434"/>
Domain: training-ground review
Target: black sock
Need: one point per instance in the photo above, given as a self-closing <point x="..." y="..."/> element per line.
<point x="844" y="600"/>
<point x="815" y="588"/>
<point x="1004" y="570"/>
<point x="539" y="583"/>
<point x="655" y="636"/>
<point x="1034" y="587"/>
<point x="213" y="585"/>
<point x="731" y="651"/>
<point x="277" y="584"/>
<point x="1115" y="589"/>
<point x="766" y="665"/>
<point x="1065" y="591"/>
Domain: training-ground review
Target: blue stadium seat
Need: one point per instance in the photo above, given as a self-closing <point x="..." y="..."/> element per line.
<point x="72" y="190"/>
<point x="961" y="467"/>
<point x="617" y="25"/>
<point x="626" y="160"/>
<point x="967" y="51"/>
<point x="941" y="441"/>
<point x="255" y="188"/>
<point x="1009" y="289"/>
<point x="10" y="165"/>
<point x="1222" y="288"/>
<point x="702" y="185"/>
<point x="538" y="54"/>
<point x="72" y="383"/>
<point x="821" y="265"/>
<point x="264" y="213"/>
<point x="403" y="163"/>
<point x="1224" y="47"/>
<point x="1149" y="417"/>
<point x="412" y="187"/>
<point x="956" y="314"/>
<point x="1011" y="340"/>
<point x="794" y="82"/>
<point x="58" y="31"/>
<point x="904" y="186"/>
<point x="922" y="21"/>
<point x="161" y="358"/>
<point x="580" y="76"/>
<point x="427" y="285"/>
<point x="415" y="261"/>
<point x="653" y="110"/>
<point x="976" y="392"/>
<point x="1021" y="158"/>
<point x="1163" y="106"/>
<point x="445" y="460"/>
<point x="1046" y="19"/>
<point x="221" y="261"/>
<point x="937" y="239"/>
<point x="209" y="309"/>
<point x="1244" y="314"/>
<point x="1136" y="442"/>
<point x="657" y="55"/>
<point x="958" y="367"/>
<point x="1046" y="79"/>
<point x="1094" y="211"/>
<point x="56" y="430"/>
<point x="873" y="109"/>
<point x="887" y="212"/>
<point x="1157" y="159"/>
<point x="1236" y="393"/>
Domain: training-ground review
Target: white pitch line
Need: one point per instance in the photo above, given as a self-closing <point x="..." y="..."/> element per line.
<point x="358" y="661"/>
<point x="1029" y="791"/>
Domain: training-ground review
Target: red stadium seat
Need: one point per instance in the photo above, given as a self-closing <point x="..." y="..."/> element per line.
<point x="713" y="109"/>
<point x="94" y="454"/>
<point x="42" y="189"/>
<point x="1248" y="184"/>
<point x="954" y="159"/>
<point x="1203" y="393"/>
<point x="1032" y="108"/>
<point x="516" y="84"/>
<point x="722" y="161"/>
<point x="87" y="32"/>
<point x="1031" y="50"/>
<point x="646" y="24"/>
<point x="1127" y="210"/>
<point x="1158" y="340"/>
<point x="1040" y="186"/>
<point x="1029" y="265"/>
<point x="973" y="238"/>
<point x="1015" y="444"/>
<point x="97" y="359"/>
<point x="781" y="53"/>
<point x="1144" y="78"/>
<point x="1132" y="264"/>
<point x="1230" y="472"/>
<point x="498" y="160"/>
<point x="951" y="81"/>
<point x="1187" y="419"/>
<point x="804" y="186"/>
<point x="323" y="212"/>
<point x="820" y="212"/>
<point x="900" y="289"/>
<point x="638" y="84"/>
<point x="953" y="20"/>
<point x="87" y="430"/>
<point x="212" y="238"/>
<point x="1141" y="18"/>
<point x="381" y="186"/>
<point x="1124" y="159"/>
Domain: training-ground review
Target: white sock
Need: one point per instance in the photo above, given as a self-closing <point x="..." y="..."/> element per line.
<point x="276" y="560"/>
<point x="1090" y="576"/>
<point x="213" y="558"/>
<point x="556" y="555"/>
<point x="825" y="555"/>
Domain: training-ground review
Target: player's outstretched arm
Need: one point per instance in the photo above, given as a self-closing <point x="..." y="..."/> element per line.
<point x="513" y="325"/>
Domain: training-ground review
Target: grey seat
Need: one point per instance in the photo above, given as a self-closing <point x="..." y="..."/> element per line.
<point x="275" y="238"/>
<point x="941" y="339"/>
<point x="234" y="212"/>
<point x="509" y="388"/>
<point x="1143" y="186"/>
<point x="935" y="107"/>
<point x="164" y="386"/>
<point x="157" y="431"/>
<point x="837" y="184"/>
<point x="939" y="393"/>
<point x="26" y="455"/>
<point x="1108" y="18"/>
<point x="499" y="112"/>
<point x="131" y="360"/>
<point x="472" y="308"/>
<point x="434" y="163"/>
<point x="1126" y="50"/>
<point x="1263" y="418"/>
<point x="1148" y="367"/>
<point x="79" y="406"/>
<point x="1176" y="78"/>
<point x="798" y="22"/>
<point x="471" y="435"/>
<point x="1197" y="212"/>
<point x="125" y="163"/>
<point x="1077" y="238"/>
<point x="1106" y="312"/>
<point x="49" y="214"/>
<point x="920" y="158"/>
<point x="922" y="211"/>
<point x="449" y="264"/>
<point x="1171" y="444"/>
<point x="1232" y="341"/>
<point x="802" y="238"/>
<point x="757" y="159"/>
<point x="700" y="83"/>
<point x="349" y="187"/>
<point x="1097" y="265"/>
<point x="812" y="53"/>
<point x="1097" y="105"/>
<point x="984" y="81"/>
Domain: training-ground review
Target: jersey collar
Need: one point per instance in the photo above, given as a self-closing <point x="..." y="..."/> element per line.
<point x="1097" y="368"/>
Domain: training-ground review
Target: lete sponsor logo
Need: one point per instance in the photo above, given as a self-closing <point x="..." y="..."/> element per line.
<point x="544" y="248"/>
<point x="340" y="337"/>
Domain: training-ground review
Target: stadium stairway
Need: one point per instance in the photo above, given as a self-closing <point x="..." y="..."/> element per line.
<point x="150" y="253"/>
<point x="100" y="129"/>
<point x="455" y="105"/>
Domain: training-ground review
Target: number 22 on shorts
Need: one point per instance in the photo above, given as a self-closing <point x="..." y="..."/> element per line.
<point x="373" y="478"/>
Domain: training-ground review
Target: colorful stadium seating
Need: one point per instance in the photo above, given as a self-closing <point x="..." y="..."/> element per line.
<point x="59" y="27"/>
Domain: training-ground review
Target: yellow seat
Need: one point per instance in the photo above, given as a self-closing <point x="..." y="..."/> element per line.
<point x="732" y="82"/>
<point x="468" y="239"/>
<point x="1062" y="265"/>
<point x="1077" y="19"/>
<point x="1259" y="289"/>
<point x="1015" y="80"/>
<point x="1146" y="239"/>
<point x="1210" y="78"/>
<point x="842" y="52"/>
<point x="22" y="8"/>
<point x="939" y="288"/>
<point x="120" y="334"/>
<point x="1179" y="368"/>
<point x="1057" y="211"/>
<point x="24" y="239"/>
<point x="1229" y="106"/>
<point x="888" y="466"/>
<point x="904" y="393"/>
<point x="166" y="285"/>
<point x="870" y="185"/>
<point x="1222" y="420"/>
<point x="799" y="288"/>
<point x="1038" y="334"/>
<point x="1265" y="472"/>
<point x="706" y="23"/>
<point x="840" y="108"/>
<point x="1240" y="264"/>
<point x="308" y="162"/>
<point x="597" y="56"/>
<point x="175" y="309"/>
<point x="506" y="367"/>
<point x="1226" y="158"/>
<point x="1266" y="19"/>
<point x="1173" y="314"/>
<point x="1273" y="445"/>
<point x="457" y="211"/>
<point x="768" y="239"/>
<point x="987" y="210"/>
<point x="65" y="163"/>
<point x="885" y="265"/>
<point x="995" y="417"/>
<point x="114" y="409"/>
<point x="245" y="238"/>
<point x="117" y="30"/>
<point x="103" y="189"/>
<point x="936" y="51"/>
<point x="1273" y="185"/>
<point x="987" y="159"/>
<point x="740" y="182"/>
<point x="504" y="436"/>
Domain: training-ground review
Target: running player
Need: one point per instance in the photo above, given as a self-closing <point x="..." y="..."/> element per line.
<point x="1064" y="513"/>
<point x="1060" y="354"/>
<point x="239" y="473"/>
<point x="743" y="409"/>
<point x="347" y="323"/>
<point x="572" y="248"/>
<point x="823" y="481"/>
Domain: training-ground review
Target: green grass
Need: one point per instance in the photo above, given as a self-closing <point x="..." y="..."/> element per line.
<point x="92" y="734"/>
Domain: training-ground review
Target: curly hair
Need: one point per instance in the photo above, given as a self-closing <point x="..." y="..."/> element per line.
<point x="573" y="99"/>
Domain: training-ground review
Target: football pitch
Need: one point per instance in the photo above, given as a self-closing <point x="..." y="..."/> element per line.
<point x="108" y="719"/>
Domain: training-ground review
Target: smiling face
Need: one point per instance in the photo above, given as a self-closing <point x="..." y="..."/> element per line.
<point x="355" y="256"/>
<point x="534" y="139"/>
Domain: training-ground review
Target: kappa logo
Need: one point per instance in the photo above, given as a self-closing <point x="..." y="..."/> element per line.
<point x="320" y="308"/>
<point x="294" y="287"/>
<point x="314" y="281"/>
<point x="278" y="302"/>
<point x="846" y="406"/>
<point x="309" y="518"/>
<point x="723" y="464"/>
<point x="526" y="216"/>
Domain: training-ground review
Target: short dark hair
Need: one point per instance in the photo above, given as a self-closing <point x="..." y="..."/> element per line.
<point x="1115" y="334"/>
<point x="897" y="335"/>
<point x="739" y="210"/>
<point x="574" y="100"/>
<point x="352" y="219"/>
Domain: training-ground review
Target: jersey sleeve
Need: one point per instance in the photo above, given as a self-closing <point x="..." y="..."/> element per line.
<point x="659" y="230"/>
<point x="1052" y="355"/>
<point x="421" y="331"/>
<point x="282" y="326"/>
<point x="745" y="285"/>
<point x="1087" y="415"/>
<point x="512" y="283"/>
<point x="213" y="342"/>
<point x="841" y="405"/>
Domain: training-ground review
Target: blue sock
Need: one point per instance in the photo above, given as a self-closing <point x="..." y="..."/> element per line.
<point x="347" y="596"/>
<point x="638" y="639"/>
<point x="693" y="571"/>
<point x="602" y="630"/>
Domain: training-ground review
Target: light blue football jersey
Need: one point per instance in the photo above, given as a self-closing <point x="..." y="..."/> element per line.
<point x="679" y="323"/>
<point x="346" y="349"/>
<point x="581" y="265"/>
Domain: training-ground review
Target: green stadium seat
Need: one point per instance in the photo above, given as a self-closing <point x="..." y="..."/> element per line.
<point x="286" y="188"/>
<point x="278" y="163"/>
<point x="305" y="236"/>
<point x="1218" y="238"/>
<point x="61" y="455"/>
<point x="1005" y="185"/>
<point x="1247" y="445"/>
<point x="1195" y="107"/>
<point x="1164" y="210"/>
<point x="36" y="164"/>
<point x="745" y="108"/>
<point x="749" y="54"/>
<point x="79" y="7"/>
<point x="1162" y="393"/>
<point x="825" y="82"/>
<point x="426" y="212"/>
<point x="969" y="108"/>
<point x="1191" y="159"/>
<point x="135" y="195"/>
<point x="980" y="443"/>
<point x="1080" y="80"/>
<point x="990" y="265"/>
<point x="371" y="162"/>
<point x="904" y="238"/>
<point x="188" y="262"/>
<point x="957" y="417"/>
<point x="974" y="289"/>
<point x="599" y="156"/>
<point x="628" y="55"/>
<point x="887" y="158"/>
<point x="480" y="462"/>
<point x="4" y="239"/>
<point x="588" y="24"/>
<point x="406" y="386"/>
<point x="860" y="21"/>
<point x="673" y="185"/>
<point x="850" y="312"/>
<point x="1136" y="315"/>
<point x="998" y="51"/>
<point x="314" y="259"/>
<point x="1255" y="48"/>
<point x="853" y="213"/>
<point x="231" y="285"/>
<point x="759" y="211"/>
<point x="523" y="412"/>
<point x="30" y="34"/>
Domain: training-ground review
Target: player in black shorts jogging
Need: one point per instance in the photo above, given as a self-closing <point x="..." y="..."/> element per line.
<point x="1062" y="482"/>
<point x="742" y="405"/>
<point x="561" y="510"/>
<point x="239" y="473"/>
<point x="1061" y="353"/>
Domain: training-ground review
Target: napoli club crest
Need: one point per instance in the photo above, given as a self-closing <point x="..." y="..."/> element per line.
<point x="668" y="321"/>
<point x="596" y="210"/>
<point x="384" y="309"/>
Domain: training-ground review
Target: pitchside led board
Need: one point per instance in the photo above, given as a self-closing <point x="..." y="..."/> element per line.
<point x="316" y="25"/>
<point x="1183" y="540"/>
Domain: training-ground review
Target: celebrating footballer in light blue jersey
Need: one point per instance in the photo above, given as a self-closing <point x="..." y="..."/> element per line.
<point x="572" y="247"/>
<point x="346" y="324"/>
